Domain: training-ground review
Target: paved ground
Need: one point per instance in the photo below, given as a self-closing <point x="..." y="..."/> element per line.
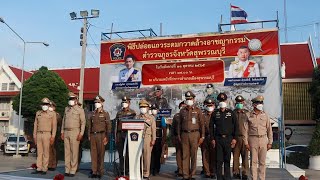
<point x="21" y="167"/>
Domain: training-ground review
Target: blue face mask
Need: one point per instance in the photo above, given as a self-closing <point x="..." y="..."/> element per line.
<point x="239" y="106"/>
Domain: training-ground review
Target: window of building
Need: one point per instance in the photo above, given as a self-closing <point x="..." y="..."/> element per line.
<point x="4" y="87"/>
<point x="5" y="104"/>
<point x="11" y="86"/>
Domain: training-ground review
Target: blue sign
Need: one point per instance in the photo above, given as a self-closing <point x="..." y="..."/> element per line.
<point x="165" y="112"/>
<point x="251" y="81"/>
<point x="126" y="85"/>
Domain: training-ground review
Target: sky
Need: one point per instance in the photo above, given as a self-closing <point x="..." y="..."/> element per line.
<point x="49" y="21"/>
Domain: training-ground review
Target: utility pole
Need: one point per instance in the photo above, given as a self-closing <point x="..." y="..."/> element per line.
<point x="83" y="43"/>
<point x="83" y="57"/>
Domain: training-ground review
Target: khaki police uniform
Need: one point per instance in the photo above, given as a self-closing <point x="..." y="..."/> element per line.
<point x="53" y="158"/>
<point x="124" y="113"/>
<point x="98" y="130"/>
<point x="240" y="148"/>
<point x="45" y="127"/>
<point x="178" y="146"/>
<point x="191" y="122"/>
<point x="149" y="135"/>
<point x="73" y="125"/>
<point x="160" y="101"/>
<point x="258" y="134"/>
<point x="208" y="151"/>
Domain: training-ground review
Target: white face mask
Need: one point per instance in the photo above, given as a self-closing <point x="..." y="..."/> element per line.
<point x="259" y="107"/>
<point x="50" y="109"/>
<point x="154" y="112"/>
<point x="210" y="108"/>
<point x="150" y="112"/>
<point x="189" y="102"/>
<point x="125" y="105"/>
<point x="209" y="90"/>
<point x="45" y="107"/>
<point x="143" y="110"/>
<point x="71" y="102"/>
<point x="222" y="104"/>
<point x="97" y="105"/>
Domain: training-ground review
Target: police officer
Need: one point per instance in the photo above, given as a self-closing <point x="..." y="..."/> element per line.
<point x="149" y="136"/>
<point x="98" y="133"/>
<point x="191" y="122"/>
<point x="211" y="92"/>
<point x="157" y="98"/>
<point x="175" y="140"/>
<point x="53" y="158"/>
<point x="161" y="137"/>
<point x="44" y="132"/>
<point x="224" y="135"/>
<point x="208" y="152"/>
<point x="240" y="148"/>
<point x="129" y="73"/>
<point x="124" y="113"/>
<point x="72" y="129"/>
<point x="258" y="138"/>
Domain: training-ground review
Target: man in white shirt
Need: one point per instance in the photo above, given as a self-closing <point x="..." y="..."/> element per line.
<point x="243" y="68"/>
<point x="129" y="73"/>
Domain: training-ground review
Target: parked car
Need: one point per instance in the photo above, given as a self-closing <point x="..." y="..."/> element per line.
<point x="10" y="146"/>
<point x="32" y="147"/>
<point x="296" y="148"/>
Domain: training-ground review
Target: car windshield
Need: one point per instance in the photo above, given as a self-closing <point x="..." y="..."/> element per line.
<point x="14" y="139"/>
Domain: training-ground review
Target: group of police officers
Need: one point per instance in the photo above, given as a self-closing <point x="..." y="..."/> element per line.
<point x="218" y="130"/>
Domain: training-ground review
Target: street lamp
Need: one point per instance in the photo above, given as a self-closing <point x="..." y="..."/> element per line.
<point x="83" y="43"/>
<point x="22" y="78"/>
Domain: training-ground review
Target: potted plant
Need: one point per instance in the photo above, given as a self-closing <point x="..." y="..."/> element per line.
<point x="314" y="146"/>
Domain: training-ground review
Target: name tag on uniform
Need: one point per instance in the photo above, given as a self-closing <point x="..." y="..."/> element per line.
<point x="101" y="115"/>
<point x="228" y="114"/>
<point x="194" y="120"/>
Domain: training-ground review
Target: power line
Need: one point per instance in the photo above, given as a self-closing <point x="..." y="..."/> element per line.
<point x="95" y="44"/>
<point x="94" y="59"/>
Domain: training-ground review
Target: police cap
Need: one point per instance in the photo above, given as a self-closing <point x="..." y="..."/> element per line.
<point x="209" y="101"/>
<point x="144" y="103"/>
<point x="154" y="106"/>
<point x="258" y="99"/>
<point x="72" y="95"/>
<point x="209" y="85"/>
<point x="125" y="99"/>
<point x="239" y="98"/>
<point x="53" y="104"/>
<point x="189" y="95"/>
<point x="98" y="99"/>
<point x="222" y="97"/>
<point x="45" y="101"/>
<point x="157" y="88"/>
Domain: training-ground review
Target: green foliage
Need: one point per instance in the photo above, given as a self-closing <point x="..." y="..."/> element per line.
<point x="314" y="91"/>
<point x="299" y="159"/>
<point x="314" y="145"/>
<point x="43" y="83"/>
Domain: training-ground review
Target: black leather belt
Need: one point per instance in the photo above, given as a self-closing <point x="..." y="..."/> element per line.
<point x="97" y="132"/>
<point x="222" y="135"/>
<point x="190" y="131"/>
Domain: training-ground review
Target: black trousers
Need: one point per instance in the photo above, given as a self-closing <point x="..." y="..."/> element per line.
<point x="223" y="150"/>
<point x="155" y="156"/>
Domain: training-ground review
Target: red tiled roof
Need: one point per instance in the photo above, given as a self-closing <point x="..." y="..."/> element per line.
<point x="18" y="71"/>
<point x="298" y="59"/>
<point x="72" y="79"/>
<point x="8" y="93"/>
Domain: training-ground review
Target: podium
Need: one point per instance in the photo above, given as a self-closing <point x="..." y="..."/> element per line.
<point x="134" y="140"/>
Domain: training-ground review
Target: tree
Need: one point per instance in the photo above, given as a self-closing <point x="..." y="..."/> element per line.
<point x="314" y="91"/>
<point x="43" y="83"/>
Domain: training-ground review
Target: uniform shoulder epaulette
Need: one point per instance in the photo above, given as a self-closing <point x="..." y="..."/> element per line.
<point x="234" y="62"/>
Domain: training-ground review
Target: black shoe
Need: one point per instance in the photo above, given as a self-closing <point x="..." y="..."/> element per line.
<point x="71" y="175"/>
<point x="202" y="172"/>
<point x="207" y="176"/>
<point x="66" y="174"/>
<point x="236" y="176"/>
<point x="92" y="176"/>
<point x="36" y="172"/>
<point x="145" y="177"/>
<point x="244" y="177"/>
<point x="43" y="172"/>
<point x="179" y="175"/>
<point x="99" y="176"/>
<point x="51" y="169"/>
<point x="214" y="177"/>
<point x="192" y="178"/>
